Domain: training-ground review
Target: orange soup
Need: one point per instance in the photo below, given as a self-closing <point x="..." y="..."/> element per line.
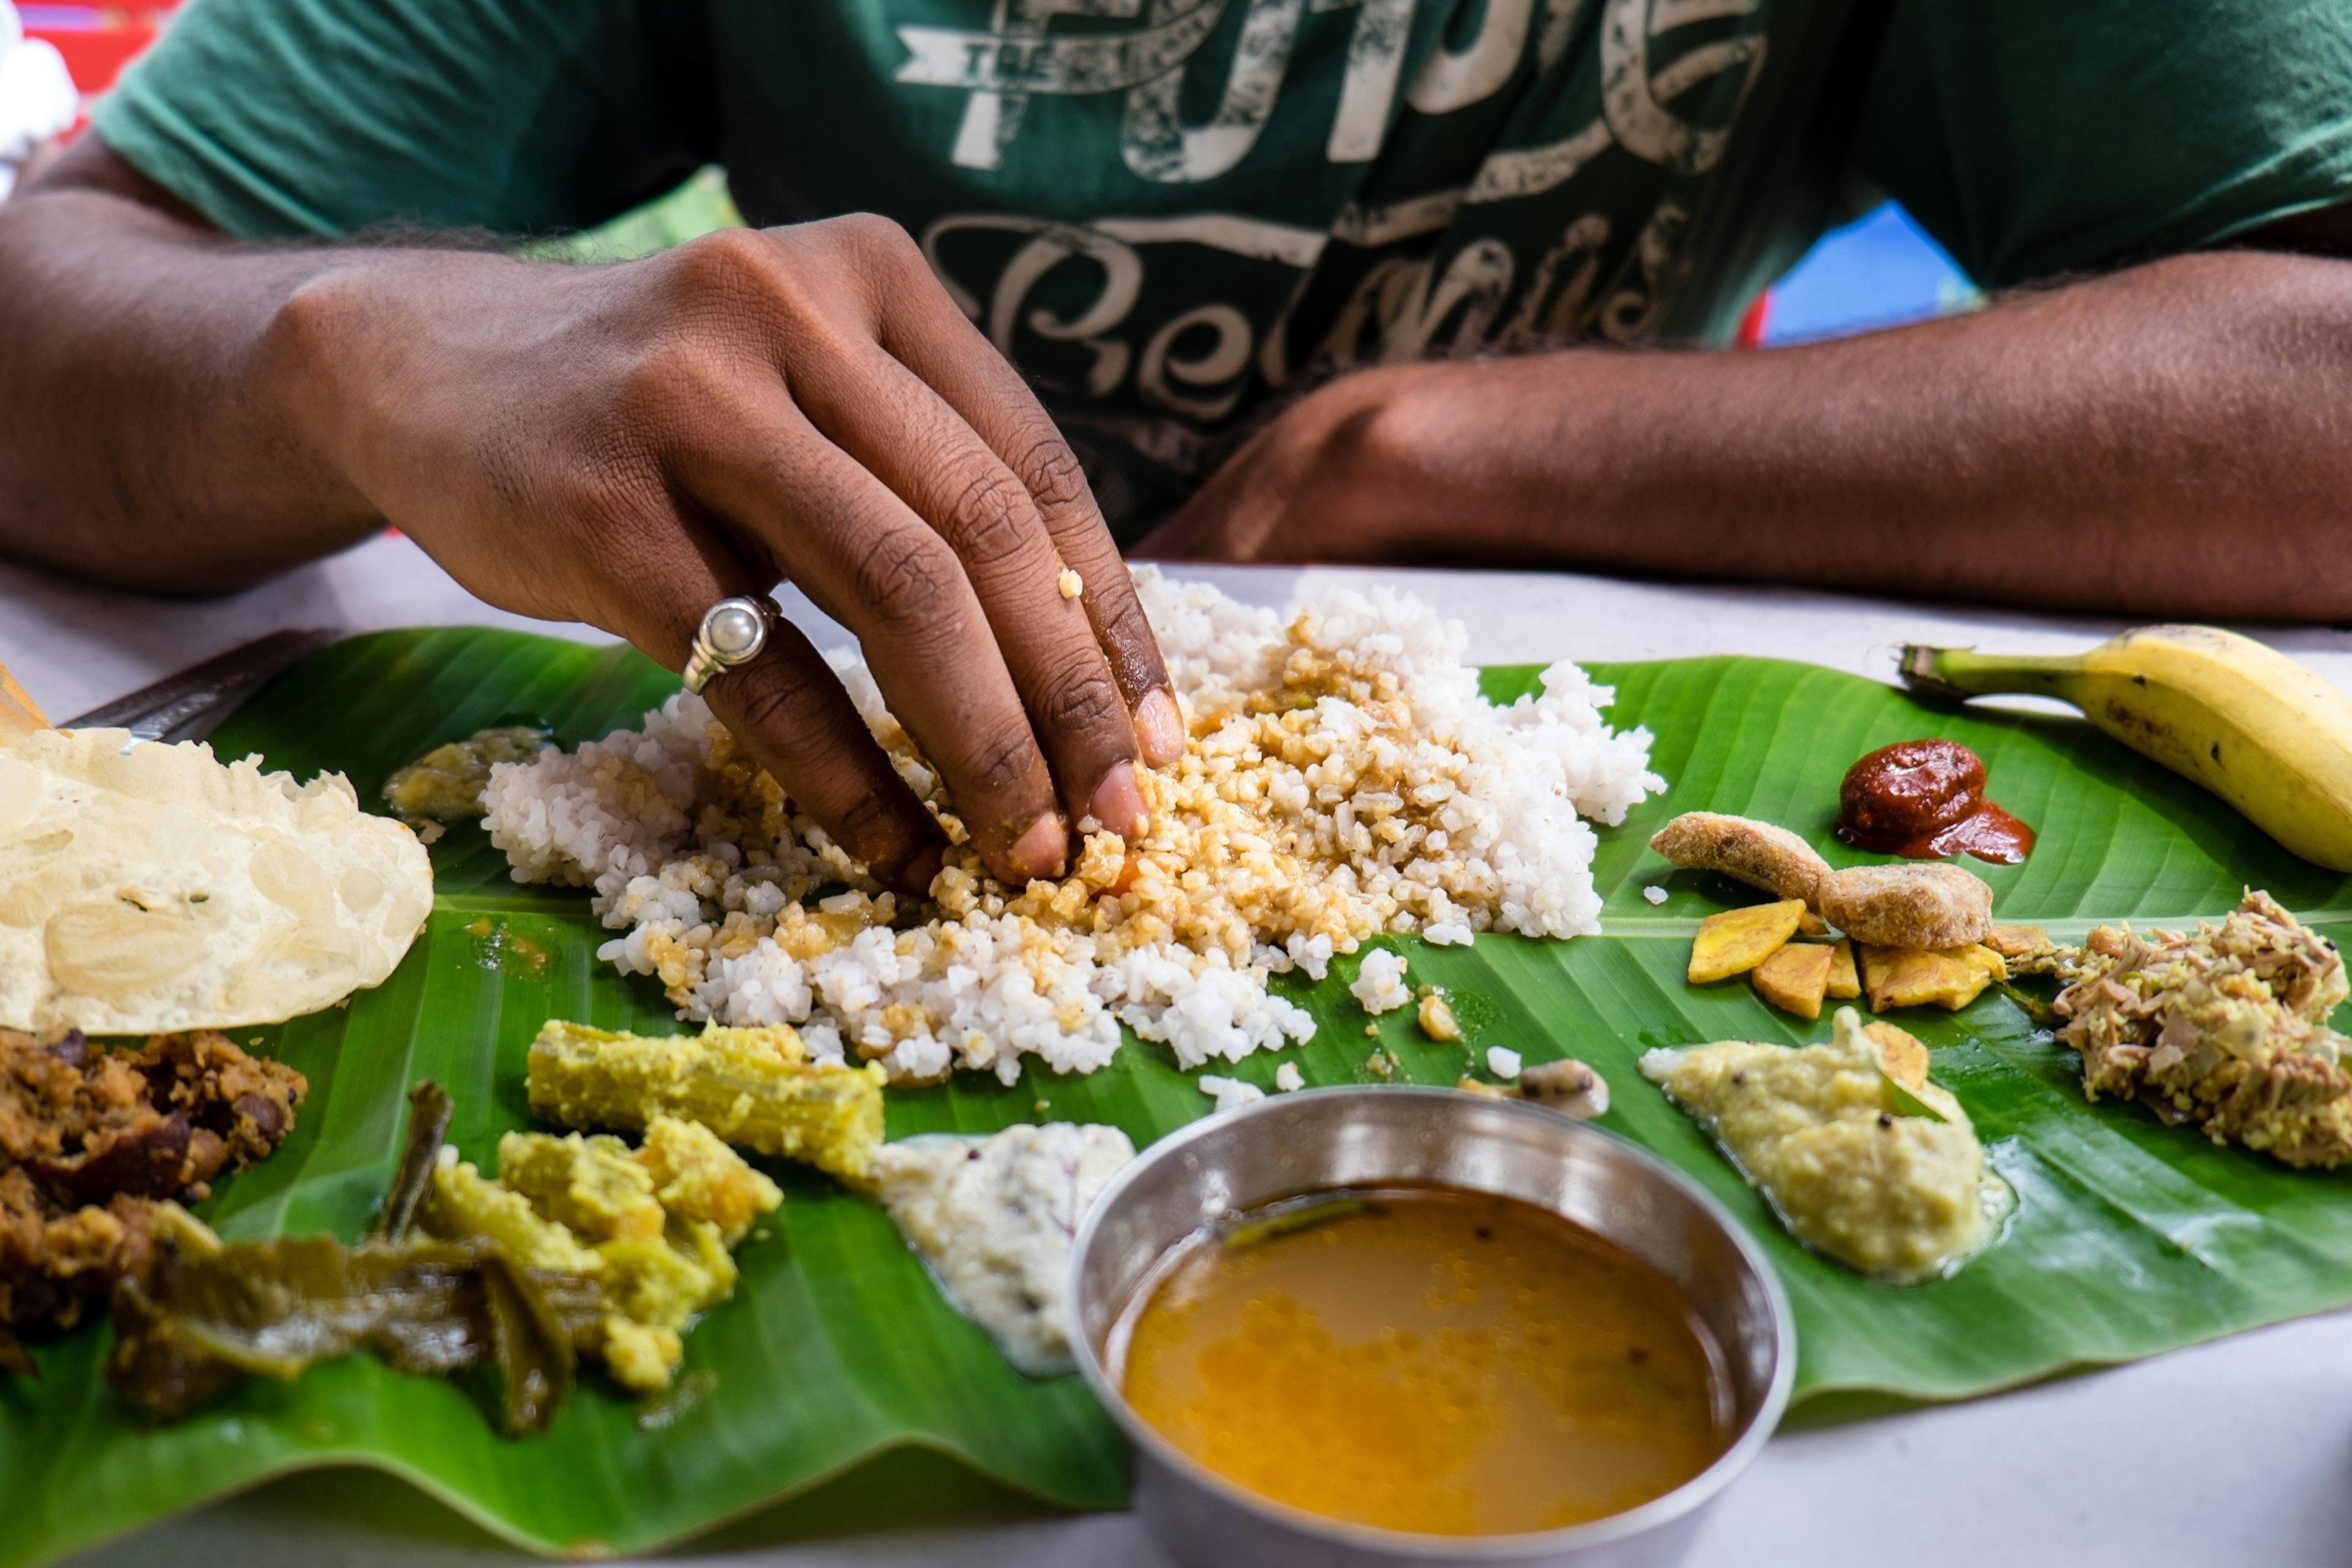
<point x="1442" y="1362"/>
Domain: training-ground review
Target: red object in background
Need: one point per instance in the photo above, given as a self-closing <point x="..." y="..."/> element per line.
<point x="96" y="42"/>
<point x="95" y="57"/>
<point x="1751" y="325"/>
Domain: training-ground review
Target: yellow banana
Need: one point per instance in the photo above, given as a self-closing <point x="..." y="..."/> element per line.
<point x="2244" y="721"/>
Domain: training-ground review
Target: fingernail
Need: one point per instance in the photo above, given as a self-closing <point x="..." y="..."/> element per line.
<point x="1159" y="728"/>
<point x="1041" y="850"/>
<point x="1118" y="804"/>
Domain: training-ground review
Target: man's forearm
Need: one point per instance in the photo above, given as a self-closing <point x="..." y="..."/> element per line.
<point x="145" y="430"/>
<point x="629" y="446"/>
<point x="2168" y="440"/>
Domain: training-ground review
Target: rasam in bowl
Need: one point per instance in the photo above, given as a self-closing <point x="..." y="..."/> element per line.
<point x="1293" y="1188"/>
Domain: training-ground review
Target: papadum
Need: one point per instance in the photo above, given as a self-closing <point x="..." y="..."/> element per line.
<point x="147" y="887"/>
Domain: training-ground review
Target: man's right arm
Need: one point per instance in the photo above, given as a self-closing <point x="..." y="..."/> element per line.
<point x="143" y="438"/>
<point x="622" y="445"/>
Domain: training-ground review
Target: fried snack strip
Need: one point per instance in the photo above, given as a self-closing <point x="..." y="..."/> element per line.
<point x="1756" y="853"/>
<point x="1910" y="905"/>
<point x="1913" y="976"/>
<point x="1905" y="905"/>
<point x="754" y="1088"/>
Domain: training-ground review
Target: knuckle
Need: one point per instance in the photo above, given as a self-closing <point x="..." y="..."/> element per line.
<point x="988" y="521"/>
<point x="652" y="381"/>
<point x="1051" y="472"/>
<point x="721" y="275"/>
<point x="1082" y="701"/>
<point x="905" y="575"/>
<point x="875" y="236"/>
<point x="865" y="823"/>
<point x="776" y="696"/>
<point x="1125" y="625"/>
<point x="875" y="259"/>
<point x="666" y="399"/>
<point x="724" y="257"/>
<point x="1002" y="758"/>
<point x="1133" y="649"/>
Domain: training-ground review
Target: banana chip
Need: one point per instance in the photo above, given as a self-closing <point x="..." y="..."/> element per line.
<point x="146" y="889"/>
<point x="1795" y="978"/>
<point x="1911" y="977"/>
<point x="1737" y="941"/>
<point x="1903" y="1066"/>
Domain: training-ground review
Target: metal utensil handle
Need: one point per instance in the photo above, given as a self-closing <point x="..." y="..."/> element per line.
<point x="187" y="706"/>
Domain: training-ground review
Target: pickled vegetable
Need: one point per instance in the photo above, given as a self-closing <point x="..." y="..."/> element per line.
<point x="205" y="1316"/>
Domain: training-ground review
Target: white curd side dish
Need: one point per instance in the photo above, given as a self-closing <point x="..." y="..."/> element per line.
<point x="992" y="1218"/>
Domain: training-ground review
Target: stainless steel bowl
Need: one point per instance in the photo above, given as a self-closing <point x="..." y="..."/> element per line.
<point x="1319" y="1139"/>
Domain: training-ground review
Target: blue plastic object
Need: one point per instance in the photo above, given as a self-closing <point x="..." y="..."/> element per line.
<point x="1880" y="271"/>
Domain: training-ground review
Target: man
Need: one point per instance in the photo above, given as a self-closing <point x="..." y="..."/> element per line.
<point x="1167" y="214"/>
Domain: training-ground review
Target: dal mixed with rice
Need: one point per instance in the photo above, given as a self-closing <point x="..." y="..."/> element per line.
<point x="1342" y="777"/>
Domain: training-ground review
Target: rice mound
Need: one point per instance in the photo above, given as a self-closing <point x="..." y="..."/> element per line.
<point x="1342" y="777"/>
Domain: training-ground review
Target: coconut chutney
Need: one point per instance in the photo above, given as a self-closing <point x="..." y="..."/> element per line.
<point x="992" y="1218"/>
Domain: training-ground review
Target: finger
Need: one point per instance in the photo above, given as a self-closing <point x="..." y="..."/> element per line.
<point x="900" y="430"/>
<point x="853" y="547"/>
<point x="793" y="715"/>
<point x="923" y="329"/>
<point x="785" y="707"/>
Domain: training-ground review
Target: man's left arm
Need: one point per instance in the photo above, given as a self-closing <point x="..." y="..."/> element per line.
<point x="2175" y="438"/>
<point x="2167" y="437"/>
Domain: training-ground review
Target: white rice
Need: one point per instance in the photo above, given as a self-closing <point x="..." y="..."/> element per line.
<point x="1379" y="983"/>
<point x="1367" y="788"/>
<point x="1230" y="1093"/>
<point x="1503" y="1061"/>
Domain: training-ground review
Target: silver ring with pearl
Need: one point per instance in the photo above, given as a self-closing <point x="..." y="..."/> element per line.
<point x="733" y="631"/>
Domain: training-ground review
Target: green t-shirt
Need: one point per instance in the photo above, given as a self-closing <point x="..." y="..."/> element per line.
<point x="1167" y="211"/>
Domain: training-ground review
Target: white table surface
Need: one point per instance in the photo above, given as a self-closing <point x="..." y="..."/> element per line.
<point x="2233" y="1453"/>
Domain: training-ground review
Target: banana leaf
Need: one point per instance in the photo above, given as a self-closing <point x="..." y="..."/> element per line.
<point x="2129" y="1238"/>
